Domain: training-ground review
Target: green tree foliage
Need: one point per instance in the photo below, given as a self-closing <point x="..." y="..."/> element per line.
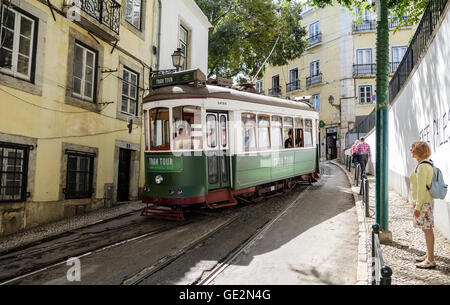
<point x="245" y="31"/>
<point x="398" y="8"/>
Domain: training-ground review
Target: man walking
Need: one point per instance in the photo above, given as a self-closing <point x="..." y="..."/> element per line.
<point x="364" y="155"/>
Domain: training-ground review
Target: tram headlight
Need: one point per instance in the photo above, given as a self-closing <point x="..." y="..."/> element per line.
<point x="159" y="179"/>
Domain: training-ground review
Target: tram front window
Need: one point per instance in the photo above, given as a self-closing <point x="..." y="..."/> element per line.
<point x="159" y="127"/>
<point x="187" y="127"/>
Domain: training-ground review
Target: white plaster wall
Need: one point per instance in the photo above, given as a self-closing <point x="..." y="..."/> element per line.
<point x="421" y="112"/>
<point x="187" y="13"/>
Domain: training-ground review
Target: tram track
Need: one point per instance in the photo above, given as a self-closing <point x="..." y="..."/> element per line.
<point x="25" y="273"/>
<point x="211" y="274"/>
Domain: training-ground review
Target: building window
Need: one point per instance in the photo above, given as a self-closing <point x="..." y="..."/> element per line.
<point x="276" y="89"/>
<point x="316" y="101"/>
<point x="130" y="89"/>
<point x="133" y="13"/>
<point x="260" y="87"/>
<point x="365" y="15"/>
<point x="16" y="42"/>
<point x="294" y="83"/>
<point x="80" y="171"/>
<point x="183" y="44"/>
<point x="398" y="53"/>
<point x="84" y="73"/>
<point x="13" y="172"/>
<point x="365" y="94"/>
<point x="314" y="29"/>
<point x="314" y="68"/>
<point x="364" y="65"/>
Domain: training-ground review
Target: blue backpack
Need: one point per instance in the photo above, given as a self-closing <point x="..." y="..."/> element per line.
<point x="438" y="188"/>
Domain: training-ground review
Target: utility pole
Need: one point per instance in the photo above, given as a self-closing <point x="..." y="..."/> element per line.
<point x="382" y="124"/>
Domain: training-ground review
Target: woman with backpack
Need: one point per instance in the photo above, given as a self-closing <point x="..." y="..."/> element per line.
<point x="420" y="178"/>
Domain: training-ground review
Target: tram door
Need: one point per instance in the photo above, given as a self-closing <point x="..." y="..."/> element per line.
<point x="217" y="142"/>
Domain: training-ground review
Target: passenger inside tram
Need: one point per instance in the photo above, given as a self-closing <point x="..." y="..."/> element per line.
<point x="289" y="141"/>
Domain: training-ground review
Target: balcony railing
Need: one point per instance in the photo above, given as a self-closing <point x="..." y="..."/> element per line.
<point x="275" y="91"/>
<point x="314" y="40"/>
<point x="365" y="25"/>
<point x="314" y="80"/>
<point x="105" y="12"/>
<point x="418" y="45"/>
<point x="292" y="86"/>
<point x="393" y="67"/>
<point x="364" y="69"/>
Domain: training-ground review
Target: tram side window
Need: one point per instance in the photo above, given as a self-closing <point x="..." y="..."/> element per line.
<point x="263" y="132"/>
<point x="276" y="132"/>
<point x="211" y="130"/>
<point x="308" y="133"/>
<point x="159" y="126"/>
<point x="249" y="131"/>
<point x="187" y="127"/>
<point x="288" y="133"/>
<point x="299" y="133"/>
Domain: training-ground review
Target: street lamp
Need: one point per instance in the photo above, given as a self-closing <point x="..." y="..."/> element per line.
<point x="178" y="59"/>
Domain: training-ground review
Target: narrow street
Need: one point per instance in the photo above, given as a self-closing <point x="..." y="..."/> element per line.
<point x="314" y="242"/>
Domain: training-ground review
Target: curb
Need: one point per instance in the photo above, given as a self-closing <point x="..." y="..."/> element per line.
<point x="362" y="277"/>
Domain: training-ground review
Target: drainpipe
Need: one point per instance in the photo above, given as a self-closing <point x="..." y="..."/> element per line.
<point x="158" y="36"/>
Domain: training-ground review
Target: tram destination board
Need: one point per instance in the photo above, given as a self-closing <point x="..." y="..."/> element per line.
<point x="178" y="78"/>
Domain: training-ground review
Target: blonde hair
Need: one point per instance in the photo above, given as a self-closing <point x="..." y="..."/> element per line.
<point x="421" y="149"/>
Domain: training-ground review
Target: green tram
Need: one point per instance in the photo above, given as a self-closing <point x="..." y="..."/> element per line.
<point x="210" y="145"/>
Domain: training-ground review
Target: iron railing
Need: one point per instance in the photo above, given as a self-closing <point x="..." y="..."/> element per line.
<point x="313" y="40"/>
<point x="417" y="46"/>
<point x="365" y="25"/>
<point x="295" y="85"/>
<point x="314" y="80"/>
<point x="364" y="69"/>
<point x="393" y="67"/>
<point x="106" y="12"/>
<point x="381" y="274"/>
<point x="361" y="129"/>
<point x="275" y="91"/>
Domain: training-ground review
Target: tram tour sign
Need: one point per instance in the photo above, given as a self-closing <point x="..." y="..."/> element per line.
<point x="178" y="78"/>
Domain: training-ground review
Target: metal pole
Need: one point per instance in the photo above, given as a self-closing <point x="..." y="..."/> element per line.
<point x="375" y="230"/>
<point x="366" y="195"/>
<point x="382" y="84"/>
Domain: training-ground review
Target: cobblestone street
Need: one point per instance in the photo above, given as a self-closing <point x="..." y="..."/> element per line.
<point x="408" y="242"/>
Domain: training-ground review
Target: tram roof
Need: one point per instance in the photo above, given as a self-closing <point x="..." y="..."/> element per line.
<point x="209" y="91"/>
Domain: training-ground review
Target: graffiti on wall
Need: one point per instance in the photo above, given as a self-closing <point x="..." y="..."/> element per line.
<point x="436" y="134"/>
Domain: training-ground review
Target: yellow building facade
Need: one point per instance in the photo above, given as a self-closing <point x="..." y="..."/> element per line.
<point x="72" y="79"/>
<point x="337" y="70"/>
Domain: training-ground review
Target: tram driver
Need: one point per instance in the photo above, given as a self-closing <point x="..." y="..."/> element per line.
<point x="182" y="141"/>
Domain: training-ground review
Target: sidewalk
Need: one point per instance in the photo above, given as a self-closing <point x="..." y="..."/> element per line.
<point x="49" y="230"/>
<point x="408" y="242"/>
